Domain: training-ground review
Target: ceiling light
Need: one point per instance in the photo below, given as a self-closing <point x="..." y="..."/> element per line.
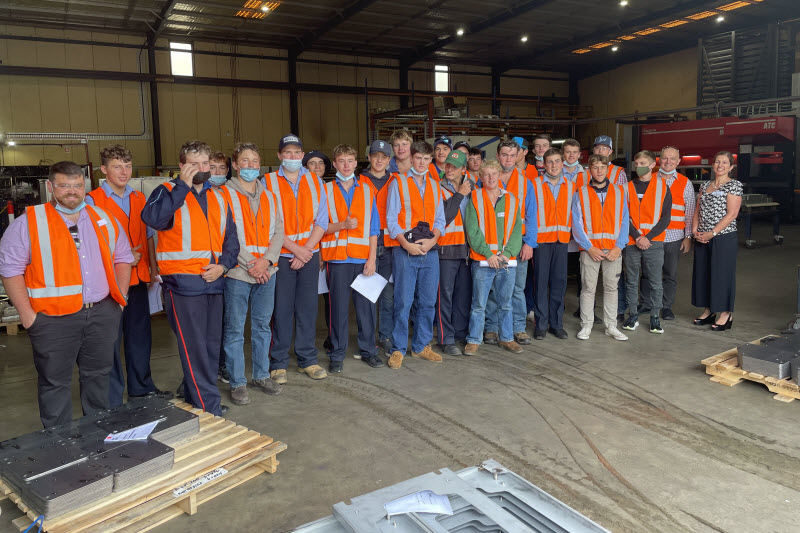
<point x="524" y="39"/>
<point x="581" y="51"/>
<point x="720" y="18"/>
<point x="11" y="143"/>
<point x="614" y="48"/>
<point x="623" y="3"/>
<point x="265" y="7"/>
<point x="460" y="32"/>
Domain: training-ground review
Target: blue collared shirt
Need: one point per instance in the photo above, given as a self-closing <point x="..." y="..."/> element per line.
<point x="579" y="231"/>
<point x="321" y="219"/>
<point x="374" y="223"/>
<point x="529" y="214"/>
<point x="124" y="202"/>
<point x="393" y="208"/>
<point x="572" y="174"/>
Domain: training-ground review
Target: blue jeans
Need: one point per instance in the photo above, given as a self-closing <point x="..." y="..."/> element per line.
<point x="260" y="299"/>
<point x="501" y="282"/>
<point x="386" y="299"/>
<point x="519" y="306"/>
<point x="416" y="278"/>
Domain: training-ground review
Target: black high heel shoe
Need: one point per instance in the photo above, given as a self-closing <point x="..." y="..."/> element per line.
<point x="722" y="327"/>
<point x="710" y="319"/>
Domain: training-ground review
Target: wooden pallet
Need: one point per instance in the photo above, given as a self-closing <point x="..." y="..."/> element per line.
<point x="724" y="368"/>
<point x="12" y="328"/>
<point x="221" y="443"/>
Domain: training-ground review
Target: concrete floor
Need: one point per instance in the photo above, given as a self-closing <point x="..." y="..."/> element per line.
<point x="633" y="435"/>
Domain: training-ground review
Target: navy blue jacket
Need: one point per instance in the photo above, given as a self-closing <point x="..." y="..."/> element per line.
<point x="159" y="214"/>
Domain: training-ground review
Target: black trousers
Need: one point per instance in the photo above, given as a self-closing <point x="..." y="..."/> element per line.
<point x="86" y="338"/>
<point x="339" y="277"/>
<point x="197" y="323"/>
<point x="550" y="266"/>
<point x="453" y="301"/>
<point x="714" y="273"/>
<point x="295" y="314"/>
<point x="134" y="328"/>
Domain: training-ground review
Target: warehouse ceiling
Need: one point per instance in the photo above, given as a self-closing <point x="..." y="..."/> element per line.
<point x="577" y="36"/>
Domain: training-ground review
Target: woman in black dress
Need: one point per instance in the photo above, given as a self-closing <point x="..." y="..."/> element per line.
<point x="714" y="229"/>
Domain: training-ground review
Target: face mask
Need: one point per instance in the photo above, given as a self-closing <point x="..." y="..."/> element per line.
<point x="539" y="157"/>
<point x="249" y="174"/>
<point x="292" y="165"/>
<point x="642" y="171"/>
<point x="68" y="211"/>
<point x="670" y="173"/>
<point x="201" y="177"/>
<point x="507" y="169"/>
<point x="217" y="179"/>
<point x="345" y="178"/>
<point x="413" y="171"/>
<point x="571" y="165"/>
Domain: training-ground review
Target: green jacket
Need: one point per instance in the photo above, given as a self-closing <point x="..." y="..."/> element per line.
<point x="477" y="241"/>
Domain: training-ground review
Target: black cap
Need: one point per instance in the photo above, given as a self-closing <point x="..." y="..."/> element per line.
<point x="459" y="144"/>
<point x="286" y="140"/>
<point x="316" y="153"/>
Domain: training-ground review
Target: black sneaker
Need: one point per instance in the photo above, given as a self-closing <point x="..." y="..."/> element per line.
<point x="336" y="367"/>
<point x="223" y="375"/>
<point x="631" y="323"/>
<point x="539" y="334"/>
<point x="559" y="333"/>
<point x="667" y="314"/>
<point x="374" y="361"/>
<point x="450" y="349"/>
<point x="655" y="325"/>
<point x="224" y="409"/>
<point x="386" y="346"/>
<point x="163" y="394"/>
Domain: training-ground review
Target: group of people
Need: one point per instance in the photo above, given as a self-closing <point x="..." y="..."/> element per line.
<point x="471" y="248"/>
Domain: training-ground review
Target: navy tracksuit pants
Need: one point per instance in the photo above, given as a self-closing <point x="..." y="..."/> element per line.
<point x="134" y="328"/>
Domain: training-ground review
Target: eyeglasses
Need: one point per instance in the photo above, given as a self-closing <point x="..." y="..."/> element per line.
<point x="73" y="230"/>
<point x="74" y="186"/>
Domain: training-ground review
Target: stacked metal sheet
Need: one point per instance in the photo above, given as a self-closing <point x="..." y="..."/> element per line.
<point x="65" y="467"/>
<point x="773" y="357"/>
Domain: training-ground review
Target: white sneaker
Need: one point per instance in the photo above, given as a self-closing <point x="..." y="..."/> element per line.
<point x="584" y="333"/>
<point x="612" y="331"/>
<point x="532" y="317"/>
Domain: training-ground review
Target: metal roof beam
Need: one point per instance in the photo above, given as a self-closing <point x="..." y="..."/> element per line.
<point x="161" y="23"/>
<point x="307" y="39"/>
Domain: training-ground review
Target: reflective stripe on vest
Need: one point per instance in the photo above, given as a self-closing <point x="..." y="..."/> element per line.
<point x="405" y="196"/>
<point x="657" y="208"/>
<point x="586" y="208"/>
<point x="238" y="218"/>
<point x="457" y="225"/>
<point x="541" y="215"/>
<point x="480" y="200"/>
<point x="49" y="290"/>
<point x="276" y="190"/>
<point x="342" y="237"/>
<point x="678" y="213"/>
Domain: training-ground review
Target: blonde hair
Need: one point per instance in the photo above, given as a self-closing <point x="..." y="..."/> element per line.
<point x="344" y="149"/>
<point x="490" y="164"/>
<point x="646" y="154"/>
<point x="401" y="135"/>
<point x="194" y="147"/>
<point x="595" y="158"/>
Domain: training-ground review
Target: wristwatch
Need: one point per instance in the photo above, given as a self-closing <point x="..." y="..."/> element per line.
<point x="224" y="269"/>
<point x="714" y="233"/>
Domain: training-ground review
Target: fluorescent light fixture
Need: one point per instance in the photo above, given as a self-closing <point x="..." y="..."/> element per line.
<point x="460" y="32"/>
<point x="11" y="143"/>
<point x="614" y="48"/>
<point x="524" y="39"/>
<point x="720" y="18"/>
<point x="623" y="3"/>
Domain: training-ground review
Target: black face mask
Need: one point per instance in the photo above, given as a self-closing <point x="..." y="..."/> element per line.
<point x="201" y="177"/>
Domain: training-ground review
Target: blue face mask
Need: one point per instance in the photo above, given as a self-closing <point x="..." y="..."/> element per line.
<point x="570" y="165"/>
<point x="249" y="174"/>
<point x="67" y="211"/>
<point x="345" y="178"/>
<point x="539" y="157"/>
<point x="414" y="171"/>
<point x="292" y="165"/>
<point x="670" y="173"/>
<point x="217" y="179"/>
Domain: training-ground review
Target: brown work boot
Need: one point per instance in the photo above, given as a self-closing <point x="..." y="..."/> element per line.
<point x="470" y="349"/>
<point x="396" y="359"/>
<point x="239" y="395"/>
<point x="428" y="355"/>
<point x="522" y="338"/>
<point x="490" y="337"/>
<point x="511" y="346"/>
<point x="278" y="376"/>
<point x="314" y="372"/>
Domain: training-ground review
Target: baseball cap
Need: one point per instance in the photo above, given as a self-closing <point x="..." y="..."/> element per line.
<point x="380" y="146"/>
<point x="459" y="144"/>
<point x="316" y="153"/>
<point x="605" y="140"/>
<point x="521" y="142"/>
<point x="456" y="158"/>
<point x="286" y="140"/>
<point x="443" y="140"/>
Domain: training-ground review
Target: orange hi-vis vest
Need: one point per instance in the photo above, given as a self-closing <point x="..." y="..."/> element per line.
<point x="677" y="219"/>
<point x="135" y="228"/>
<point x="298" y="213"/>
<point x="454" y="232"/>
<point x="531" y="172"/>
<point x="582" y="178"/>
<point x="353" y="243"/>
<point x="519" y="188"/>
<point x="434" y="172"/>
<point x="59" y="291"/>
<point x="194" y="240"/>
<point x="613" y="173"/>
<point x="380" y="201"/>
<point x="645" y="213"/>
<point x="415" y="208"/>
<point x="554" y="217"/>
<point x="253" y="230"/>
<point x="602" y="220"/>
<point x="487" y="221"/>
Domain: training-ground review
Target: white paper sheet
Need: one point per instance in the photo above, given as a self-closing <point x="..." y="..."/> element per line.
<point x="511" y="263"/>
<point x="425" y="501"/>
<point x="322" y="283"/>
<point x="154" y="296"/>
<point x="369" y="286"/>
<point x="137" y="433"/>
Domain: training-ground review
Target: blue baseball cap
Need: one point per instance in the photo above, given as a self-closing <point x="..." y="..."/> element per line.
<point x="286" y="140"/>
<point x="521" y="142"/>
<point x="603" y="140"/>
<point x="380" y="146"/>
<point x="443" y="140"/>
